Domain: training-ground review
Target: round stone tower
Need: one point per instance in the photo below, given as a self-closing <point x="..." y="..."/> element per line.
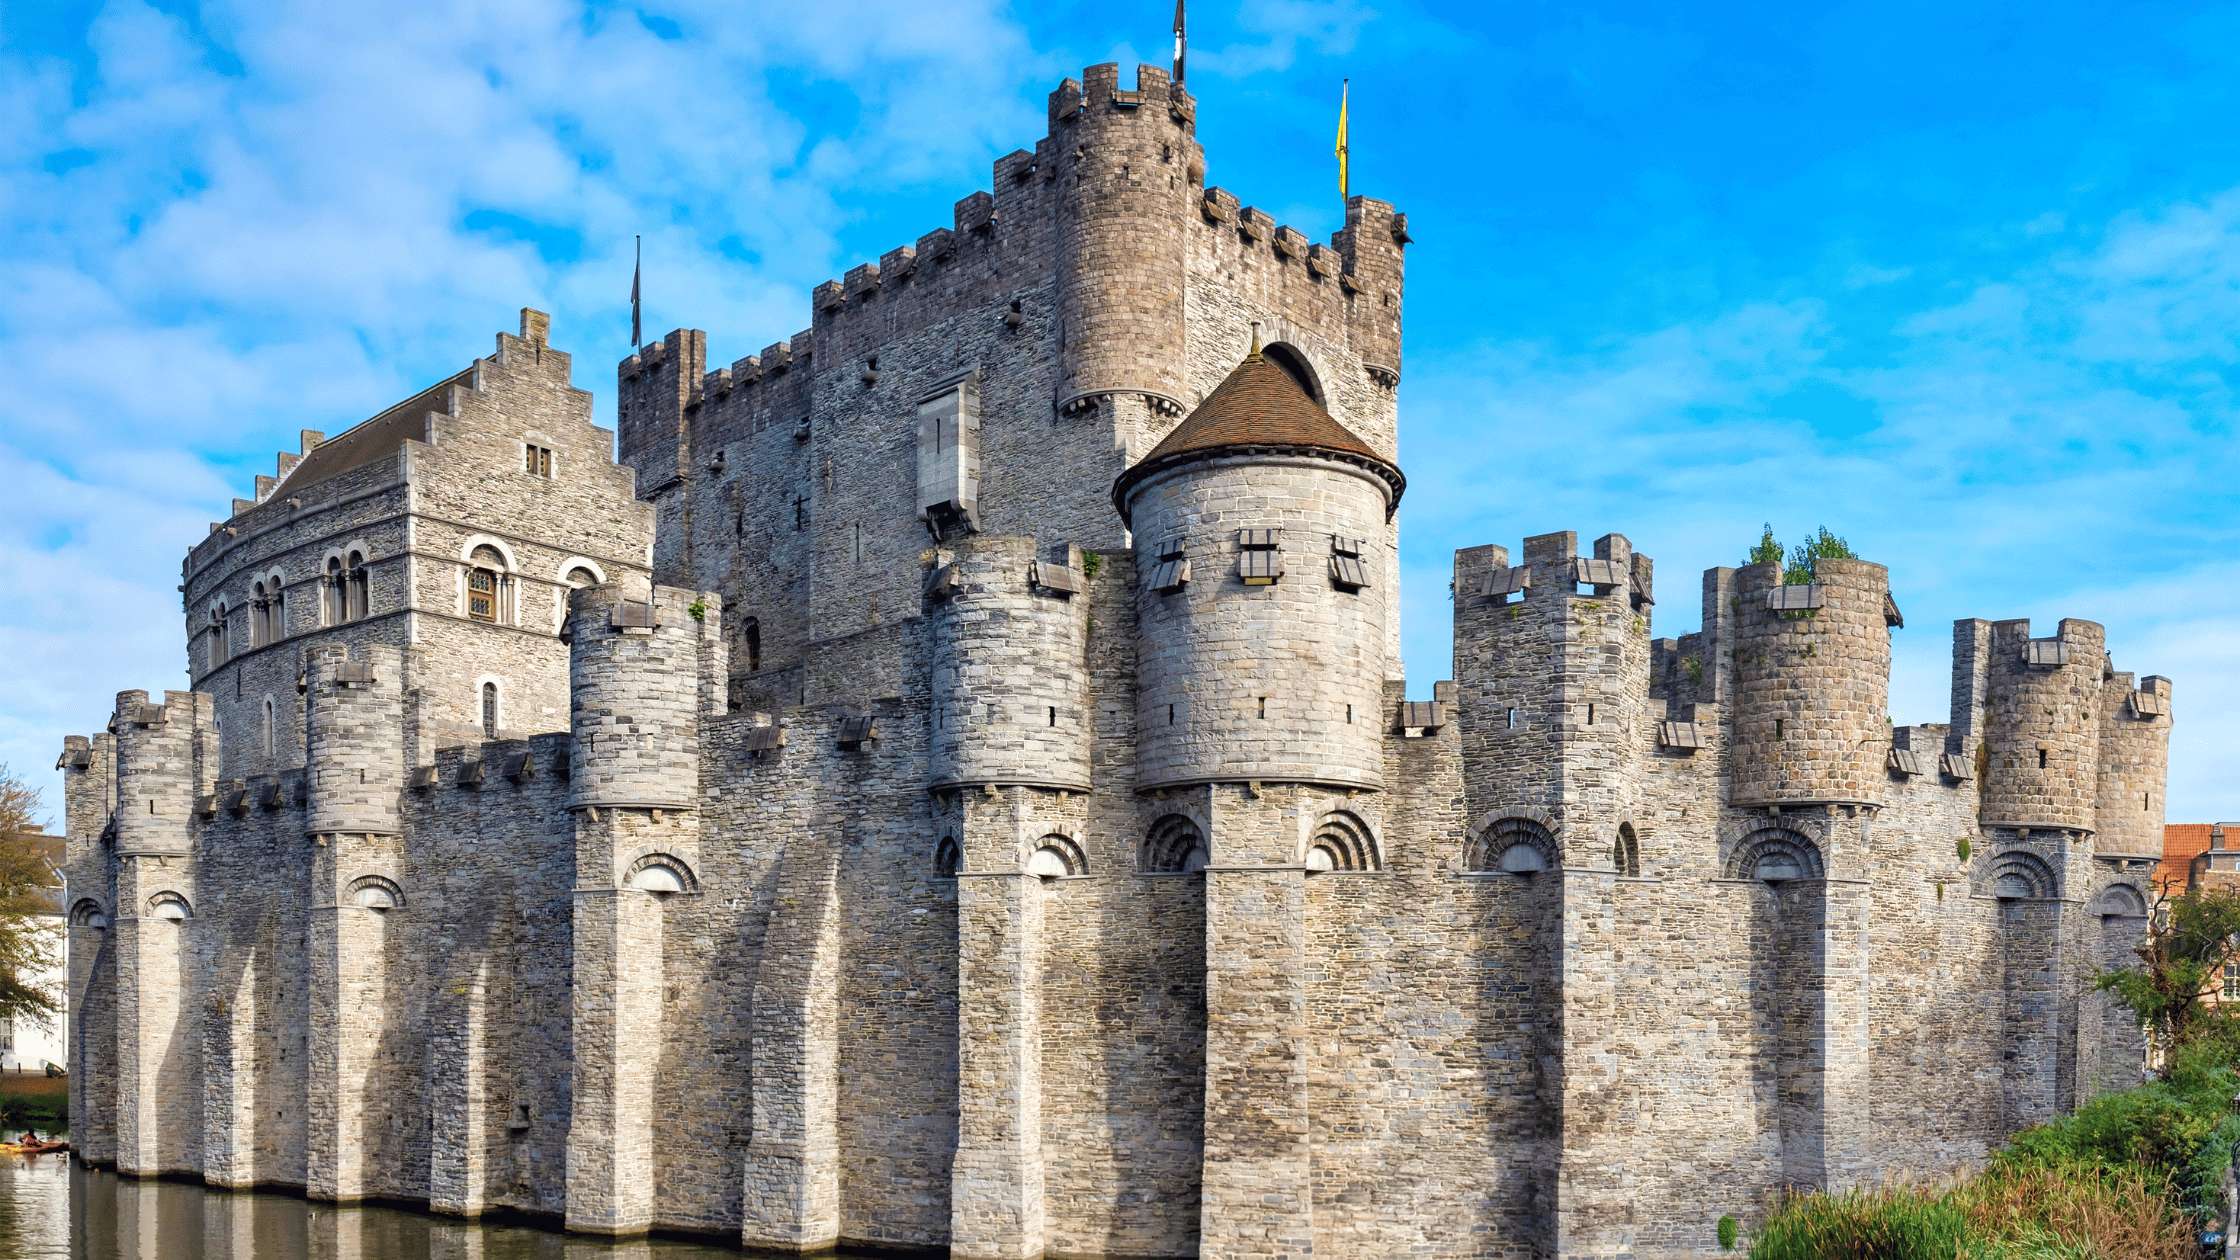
<point x="1127" y="164"/>
<point x="1010" y="673"/>
<point x="2042" y="736"/>
<point x="1261" y="643"/>
<point x="354" y="725"/>
<point x="1812" y="685"/>
<point x="634" y="683"/>
<point x="2134" y="760"/>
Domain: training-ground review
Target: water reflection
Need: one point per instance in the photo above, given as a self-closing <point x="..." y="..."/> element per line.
<point x="49" y="1207"/>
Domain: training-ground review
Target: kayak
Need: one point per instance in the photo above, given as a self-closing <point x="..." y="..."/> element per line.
<point x="33" y="1148"/>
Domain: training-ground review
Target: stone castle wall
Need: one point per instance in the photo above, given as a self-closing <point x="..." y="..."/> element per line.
<point x="835" y="875"/>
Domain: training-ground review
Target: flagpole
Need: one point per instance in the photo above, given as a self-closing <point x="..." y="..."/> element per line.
<point x="637" y="272"/>
<point x="1181" y="42"/>
<point x="1345" y="150"/>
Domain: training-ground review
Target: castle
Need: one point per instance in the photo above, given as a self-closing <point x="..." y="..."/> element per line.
<point x="950" y="785"/>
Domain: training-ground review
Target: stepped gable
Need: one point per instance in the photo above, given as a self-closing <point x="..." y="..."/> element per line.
<point x="1259" y="407"/>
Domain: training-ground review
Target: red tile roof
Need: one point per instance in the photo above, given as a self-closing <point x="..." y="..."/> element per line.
<point x="2183" y="842"/>
<point x="1258" y="406"/>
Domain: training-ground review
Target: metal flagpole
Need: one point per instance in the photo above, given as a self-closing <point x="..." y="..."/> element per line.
<point x="637" y="335"/>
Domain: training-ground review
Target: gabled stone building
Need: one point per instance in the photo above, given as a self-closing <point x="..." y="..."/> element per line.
<point x="951" y="785"/>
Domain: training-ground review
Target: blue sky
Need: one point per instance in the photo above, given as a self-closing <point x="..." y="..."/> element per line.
<point x="1960" y="281"/>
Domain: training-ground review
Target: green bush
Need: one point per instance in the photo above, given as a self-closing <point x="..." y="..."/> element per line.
<point x="1895" y="1223"/>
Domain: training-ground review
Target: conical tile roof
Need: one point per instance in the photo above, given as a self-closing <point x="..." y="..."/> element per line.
<point x="1258" y="407"/>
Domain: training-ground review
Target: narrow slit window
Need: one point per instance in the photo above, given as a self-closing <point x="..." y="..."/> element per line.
<point x="1349" y="715"/>
<point x="1590" y="714"/>
<point x="2041" y="759"/>
<point x="1053" y="715"/>
<point x="1780" y="728"/>
<point x="490" y="710"/>
<point x="1170" y="715"/>
<point x="1263" y="706"/>
<point x="1512" y="719"/>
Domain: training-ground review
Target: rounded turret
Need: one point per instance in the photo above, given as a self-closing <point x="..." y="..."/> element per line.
<point x="2042" y="728"/>
<point x="1010" y="691"/>
<point x="1261" y="643"/>
<point x="1811" y="685"/>
<point x="634" y="680"/>
<point x="162" y="761"/>
<point x="2134" y="763"/>
<point x="354" y="727"/>
<point x="1128" y="165"/>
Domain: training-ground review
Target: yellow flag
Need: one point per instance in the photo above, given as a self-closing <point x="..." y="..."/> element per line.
<point x="1344" y="184"/>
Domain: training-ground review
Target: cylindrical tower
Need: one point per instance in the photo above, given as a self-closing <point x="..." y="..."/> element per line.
<point x="1010" y="666"/>
<point x="1811" y="685"/>
<point x="1124" y="163"/>
<point x="354" y="726"/>
<point x="2043" y="726"/>
<point x="159" y="769"/>
<point x="2134" y="763"/>
<point x="1261" y="641"/>
<point x="634" y="681"/>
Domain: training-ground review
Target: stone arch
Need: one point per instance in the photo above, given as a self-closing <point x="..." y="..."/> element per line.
<point x="662" y="874"/>
<point x="171" y="905"/>
<point x="2019" y="874"/>
<point x="1625" y="851"/>
<point x="1297" y="366"/>
<point x="1342" y="842"/>
<point x="87" y="912"/>
<point x="1776" y="855"/>
<point x="1512" y="843"/>
<point x="948" y="858"/>
<point x="1173" y="844"/>
<point x="2120" y="901"/>
<point x="570" y="575"/>
<point x="374" y="892"/>
<point x="487" y="704"/>
<point x="1057" y="855"/>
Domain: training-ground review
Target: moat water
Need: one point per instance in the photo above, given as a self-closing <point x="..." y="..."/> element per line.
<point x="53" y="1209"/>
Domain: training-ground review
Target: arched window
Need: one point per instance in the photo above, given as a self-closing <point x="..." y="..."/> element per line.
<point x="218" y="636"/>
<point x="753" y="636"/>
<point x="490" y="710"/>
<point x="268" y="726"/>
<point x="662" y="875"/>
<point x="1294" y="365"/>
<point x="1625" y="854"/>
<point x="170" y="905"/>
<point x="276" y="609"/>
<point x="1776" y="855"/>
<point x="485" y="593"/>
<point x="1341" y="843"/>
<point x="1519" y="846"/>
<point x="333" y="591"/>
<point x="257" y="606"/>
<point x="1057" y="856"/>
<point x="356" y="597"/>
<point x="87" y="913"/>
<point x="948" y="858"/>
<point x="2019" y="874"/>
<point x="1173" y="844"/>
<point x="376" y="893"/>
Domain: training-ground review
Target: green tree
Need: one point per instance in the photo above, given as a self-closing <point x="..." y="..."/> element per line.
<point x="2189" y="940"/>
<point x="29" y="945"/>
<point x="1766" y="550"/>
<point x="1821" y="546"/>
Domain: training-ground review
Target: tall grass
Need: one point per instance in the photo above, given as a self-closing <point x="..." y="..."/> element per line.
<point x="2130" y="1175"/>
<point x="2023" y="1213"/>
